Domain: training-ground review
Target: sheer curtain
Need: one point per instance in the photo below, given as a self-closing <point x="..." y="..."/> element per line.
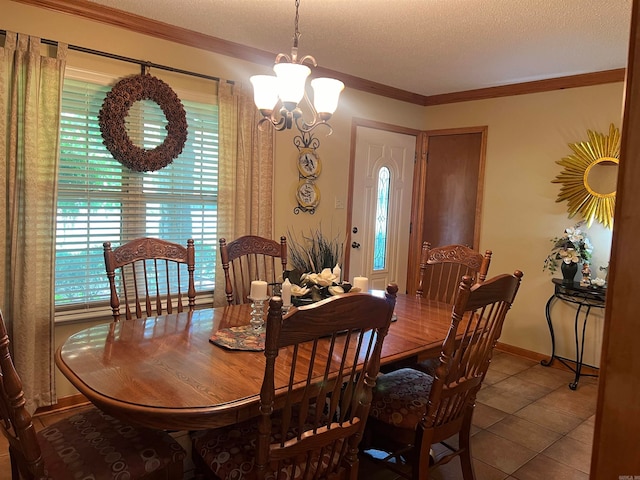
<point x="30" y="96"/>
<point x="245" y="192"/>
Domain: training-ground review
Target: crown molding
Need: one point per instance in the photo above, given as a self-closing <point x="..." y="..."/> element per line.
<point x="183" y="36"/>
<point x="547" y="85"/>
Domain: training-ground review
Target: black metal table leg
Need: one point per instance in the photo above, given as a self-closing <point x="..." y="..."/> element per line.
<point x="582" y="296"/>
<point x="547" y="311"/>
<point x="580" y="349"/>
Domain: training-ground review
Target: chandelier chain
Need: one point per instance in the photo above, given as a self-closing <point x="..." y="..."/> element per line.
<point x="296" y="32"/>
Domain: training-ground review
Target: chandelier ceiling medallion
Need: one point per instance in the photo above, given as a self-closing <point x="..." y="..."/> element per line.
<point x="288" y="88"/>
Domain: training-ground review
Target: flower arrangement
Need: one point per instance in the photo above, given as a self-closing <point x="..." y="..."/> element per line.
<point x="572" y="247"/>
<point x="316" y="273"/>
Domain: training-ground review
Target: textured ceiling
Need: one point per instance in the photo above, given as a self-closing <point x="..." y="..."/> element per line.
<point x="422" y="46"/>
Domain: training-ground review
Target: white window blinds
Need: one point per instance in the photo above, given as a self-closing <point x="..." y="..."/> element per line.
<point x="100" y="200"/>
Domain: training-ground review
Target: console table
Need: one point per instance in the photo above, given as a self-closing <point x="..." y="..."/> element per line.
<point x="585" y="298"/>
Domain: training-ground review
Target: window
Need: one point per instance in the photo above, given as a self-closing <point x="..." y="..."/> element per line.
<point x="100" y="200"/>
<point x="382" y="220"/>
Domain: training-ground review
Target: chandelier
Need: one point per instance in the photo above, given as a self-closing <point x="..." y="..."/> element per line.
<point x="288" y="88"/>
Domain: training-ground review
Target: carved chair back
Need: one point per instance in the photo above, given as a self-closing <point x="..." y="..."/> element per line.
<point x="251" y="258"/>
<point x="155" y="277"/>
<point x="16" y="422"/>
<point x="320" y="425"/>
<point x="441" y="269"/>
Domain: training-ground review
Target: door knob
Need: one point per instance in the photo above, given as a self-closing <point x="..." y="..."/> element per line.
<point x="355" y="245"/>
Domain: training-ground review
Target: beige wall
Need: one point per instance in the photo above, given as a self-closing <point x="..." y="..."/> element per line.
<point x="334" y="153"/>
<point x="527" y="134"/>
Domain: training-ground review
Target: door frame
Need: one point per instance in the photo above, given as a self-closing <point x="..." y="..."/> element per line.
<point x="418" y="189"/>
<point x="363" y="122"/>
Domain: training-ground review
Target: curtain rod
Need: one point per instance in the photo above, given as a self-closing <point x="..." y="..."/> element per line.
<point x="142" y="63"/>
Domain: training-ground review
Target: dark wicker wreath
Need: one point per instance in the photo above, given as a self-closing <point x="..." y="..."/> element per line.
<point x="115" y="109"/>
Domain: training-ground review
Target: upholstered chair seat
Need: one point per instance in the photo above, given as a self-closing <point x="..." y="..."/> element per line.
<point x="92" y="444"/>
<point x="400" y="397"/>
<point x="229" y="452"/>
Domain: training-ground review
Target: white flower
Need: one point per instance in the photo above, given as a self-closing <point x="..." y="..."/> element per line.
<point x="574" y="234"/>
<point x="587" y="245"/>
<point x="298" y="291"/>
<point x="569" y="255"/>
<point x="323" y="279"/>
<point x="336" y="290"/>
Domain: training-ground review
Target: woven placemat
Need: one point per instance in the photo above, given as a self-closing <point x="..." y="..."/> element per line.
<point x="239" y="338"/>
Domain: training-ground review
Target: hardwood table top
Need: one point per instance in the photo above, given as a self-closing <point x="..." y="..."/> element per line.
<point x="163" y="372"/>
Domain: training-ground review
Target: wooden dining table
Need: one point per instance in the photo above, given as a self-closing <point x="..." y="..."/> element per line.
<point x="163" y="372"/>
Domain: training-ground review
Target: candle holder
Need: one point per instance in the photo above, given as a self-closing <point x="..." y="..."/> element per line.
<point x="257" y="313"/>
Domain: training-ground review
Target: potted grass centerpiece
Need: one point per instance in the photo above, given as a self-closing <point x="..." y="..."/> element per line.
<point x="316" y="261"/>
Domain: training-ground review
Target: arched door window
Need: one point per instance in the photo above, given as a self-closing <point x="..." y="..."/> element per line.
<point x="382" y="220"/>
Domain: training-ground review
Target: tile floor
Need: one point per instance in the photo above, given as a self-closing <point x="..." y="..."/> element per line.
<point x="528" y="425"/>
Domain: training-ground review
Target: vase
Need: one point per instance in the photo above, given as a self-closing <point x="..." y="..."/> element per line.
<point x="569" y="271"/>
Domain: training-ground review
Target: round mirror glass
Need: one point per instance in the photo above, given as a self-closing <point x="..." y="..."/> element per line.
<point x="601" y="176"/>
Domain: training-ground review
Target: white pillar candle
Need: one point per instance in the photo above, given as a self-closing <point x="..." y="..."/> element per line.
<point x="362" y="283"/>
<point x="337" y="272"/>
<point x="286" y="293"/>
<point x="258" y="290"/>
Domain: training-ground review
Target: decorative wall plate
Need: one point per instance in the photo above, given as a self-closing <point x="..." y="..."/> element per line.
<point x="309" y="168"/>
<point x="589" y="177"/>
<point x="309" y="163"/>
<point x="308" y="194"/>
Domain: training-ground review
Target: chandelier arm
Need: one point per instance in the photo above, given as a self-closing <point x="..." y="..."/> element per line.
<point x="309" y="127"/>
<point x="283" y="56"/>
<point x="278" y="125"/>
<point x="310" y="59"/>
<point x="314" y="112"/>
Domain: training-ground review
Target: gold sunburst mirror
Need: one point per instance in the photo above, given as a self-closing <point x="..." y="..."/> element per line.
<point x="589" y="177"/>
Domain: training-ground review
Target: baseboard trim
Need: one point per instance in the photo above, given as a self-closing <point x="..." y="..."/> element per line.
<point x="537" y="357"/>
<point x="64" y="403"/>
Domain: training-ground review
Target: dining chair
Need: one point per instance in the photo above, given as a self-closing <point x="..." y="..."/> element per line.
<point x="411" y="411"/>
<point x="322" y="361"/>
<point x="441" y="269"/>
<point x="249" y="258"/>
<point x="87" y="444"/>
<point x="156" y="277"/>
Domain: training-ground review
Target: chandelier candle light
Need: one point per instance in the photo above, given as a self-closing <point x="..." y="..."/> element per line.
<point x="288" y="88"/>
